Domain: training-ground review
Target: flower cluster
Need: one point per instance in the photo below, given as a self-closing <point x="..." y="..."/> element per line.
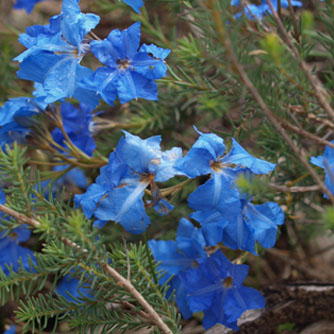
<point x="225" y="214"/>
<point x="55" y="51"/>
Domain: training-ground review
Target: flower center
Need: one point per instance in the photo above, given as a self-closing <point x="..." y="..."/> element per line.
<point x="123" y="64"/>
<point x="216" y="166"/>
<point x="228" y="281"/>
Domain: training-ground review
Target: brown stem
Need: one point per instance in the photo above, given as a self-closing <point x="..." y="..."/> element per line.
<point x="305" y="133"/>
<point x="286" y="189"/>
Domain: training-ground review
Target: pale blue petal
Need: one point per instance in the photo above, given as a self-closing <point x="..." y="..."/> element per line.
<point x="135" y="4"/>
<point x="239" y="156"/>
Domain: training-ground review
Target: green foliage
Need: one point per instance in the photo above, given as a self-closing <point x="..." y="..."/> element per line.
<point x="71" y="246"/>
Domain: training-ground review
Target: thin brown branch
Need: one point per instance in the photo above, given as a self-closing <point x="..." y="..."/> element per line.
<point x="121" y="281"/>
<point x="305" y="133"/>
<point x="258" y="98"/>
<point x="312" y="117"/>
<point x="294" y="22"/>
<point x="285" y="189"/>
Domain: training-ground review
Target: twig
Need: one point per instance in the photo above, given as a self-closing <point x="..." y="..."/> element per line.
<point x="285" y="189"/>
<point x="121" y="281"/>
<point x="294" y="22"/>
<point x="305" y="133"/>
<point x="258" y="98"/>
<point x="312" y="117"/>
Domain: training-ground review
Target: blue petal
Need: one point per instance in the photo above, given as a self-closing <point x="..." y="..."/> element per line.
<point x="180" y="297"/>
<point x="139" y="153"/>
<point x="240" y="156"/>
<point x="132" y="85"/>
<point x="202" y="154"/>
<point x="135" y="4"/>
<point x="119" y="45"/>
<point x="165" y="167"/>
<point x="125" y="205"/>
<point x="172" y="260"/>
<point x="111" y="175"/>
<point x="74" y="24"/>
<point x="242" y="298"/>
<point x="149" y="67"/>
<point x="90" y="199"/>
<point x="216" y="194"/>
<point x="158" y="53"/>
<point x="190" y="240"/>
<point x="28" y="5"/>
<point x="103" y="81"/>
<point x="239" y="235"/>
<point x="213" y="224"/>
<point x="264" y="219"/>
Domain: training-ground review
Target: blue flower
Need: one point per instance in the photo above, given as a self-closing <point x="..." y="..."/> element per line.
<point x="326" y="162"/>
<point x="176" y="256"/>
<point x="28" y="5"/>
<point x="54" y="53"/>
<point x="77" y="124"/>
<point x="11" y="114"/>
<point x="118" y="192"/>
<point x="135" y="4"/>
<point x="253" y="223"/>
<point x="130" y="73"/>
<point x="215" y="287"/>
<point x="207" y="156"/>
<point x="217" y="200"/>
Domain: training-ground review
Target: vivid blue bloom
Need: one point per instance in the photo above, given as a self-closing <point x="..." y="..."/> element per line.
<point x="253" y="11"/>
<point x="54" y="54"/>
<point x="130" y="72"/>
<point x="10" y="330"/>
<point x="326" y="162"/>
<point x="12" y="112"/>
<point x="218" y="199"/>
<point x="28" y="5"/>
<point x="70" y="290"/>
<point x="77" y="124"/>
<point x="118" y="192"/>
<point x="176" y="256"/>
<point x="207" y="156"/>
<point x="215" y="287"/>
<point x="135" y="4"/>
